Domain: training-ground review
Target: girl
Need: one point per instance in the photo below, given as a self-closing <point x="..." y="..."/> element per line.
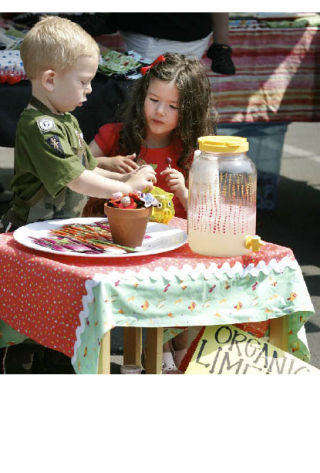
<point x="169" y="108"/>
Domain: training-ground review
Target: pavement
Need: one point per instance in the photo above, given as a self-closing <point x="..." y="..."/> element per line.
<point x="294" y="223"/>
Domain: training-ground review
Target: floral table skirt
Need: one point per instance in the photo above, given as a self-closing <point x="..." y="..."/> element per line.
<point x="68" y="303"/>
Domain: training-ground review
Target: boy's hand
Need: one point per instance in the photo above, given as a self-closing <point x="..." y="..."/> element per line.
<point x="142" y="179"/>
<point x="120" y="164"/>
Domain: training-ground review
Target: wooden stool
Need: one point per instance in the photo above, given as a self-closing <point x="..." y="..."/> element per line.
<point x="132" y="348"/>
<point x="279" y="332"/>
<point x="132" y="345"/>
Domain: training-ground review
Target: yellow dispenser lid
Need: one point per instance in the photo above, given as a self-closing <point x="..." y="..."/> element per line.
<point x="223" y="144"/>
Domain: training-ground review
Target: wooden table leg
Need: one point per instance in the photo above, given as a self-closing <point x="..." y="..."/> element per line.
<point x="132" y="345"/>
<point x="104" y="355"/>
<point x="279" y="332"/>
<point x="154" y="348"/>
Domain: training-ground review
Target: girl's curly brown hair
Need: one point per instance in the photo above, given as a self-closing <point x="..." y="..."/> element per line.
<point x="197" y="115"/>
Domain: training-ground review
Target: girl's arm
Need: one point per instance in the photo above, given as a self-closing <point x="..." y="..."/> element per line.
<point x="95" y="149"/>
<point x="94" y="184"/>
<point x="119" y="164"/>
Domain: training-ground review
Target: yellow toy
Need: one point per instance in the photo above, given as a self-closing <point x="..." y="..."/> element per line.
<point x="165" y="211"/>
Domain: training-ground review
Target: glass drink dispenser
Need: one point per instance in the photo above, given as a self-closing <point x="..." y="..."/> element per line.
<point x="222" y="197"/>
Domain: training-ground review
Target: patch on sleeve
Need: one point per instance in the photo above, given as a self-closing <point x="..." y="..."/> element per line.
<point x="45" y="124"/>
<point x="55" y="143"/>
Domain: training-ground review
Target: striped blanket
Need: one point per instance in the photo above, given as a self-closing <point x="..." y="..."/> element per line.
<point x="277" y="78"/>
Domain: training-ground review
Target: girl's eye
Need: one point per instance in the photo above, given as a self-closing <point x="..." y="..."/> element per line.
<point x="153" y="100"/>
<point x="173" y="107"/>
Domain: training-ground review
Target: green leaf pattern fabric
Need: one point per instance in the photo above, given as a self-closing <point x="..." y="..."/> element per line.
<point x="192" y="297"/>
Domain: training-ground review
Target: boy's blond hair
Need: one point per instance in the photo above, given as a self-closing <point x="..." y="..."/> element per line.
<point x="55" y="43"/>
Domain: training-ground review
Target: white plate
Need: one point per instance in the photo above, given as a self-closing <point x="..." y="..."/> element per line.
<point x="162" y="238"/>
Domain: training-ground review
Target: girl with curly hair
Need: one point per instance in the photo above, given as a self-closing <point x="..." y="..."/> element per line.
<point x="169" y="107"/>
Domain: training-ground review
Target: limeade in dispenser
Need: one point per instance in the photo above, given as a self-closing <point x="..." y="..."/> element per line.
<point x="222" y="197"/>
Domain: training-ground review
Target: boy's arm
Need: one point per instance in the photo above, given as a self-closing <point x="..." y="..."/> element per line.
<point x="94" y="184"/>
<point x="109" y="174"/>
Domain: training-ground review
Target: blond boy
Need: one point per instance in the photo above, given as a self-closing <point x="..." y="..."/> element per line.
<point x="54" y="168"/>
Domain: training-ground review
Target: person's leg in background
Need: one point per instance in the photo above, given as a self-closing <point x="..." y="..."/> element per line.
<point x="220" y="52"/>
<point x="265" y="149"/>
<point x="176" y="348"/>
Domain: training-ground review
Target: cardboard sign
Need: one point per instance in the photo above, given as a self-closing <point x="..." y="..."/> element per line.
<point x="225" y="349"/>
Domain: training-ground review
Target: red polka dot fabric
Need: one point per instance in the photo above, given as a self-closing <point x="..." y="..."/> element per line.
<point x="41" y="293"/>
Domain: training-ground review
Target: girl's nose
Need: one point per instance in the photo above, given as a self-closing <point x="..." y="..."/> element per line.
<point x="160" y="108"/>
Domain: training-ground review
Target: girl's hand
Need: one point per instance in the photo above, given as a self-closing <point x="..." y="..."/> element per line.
<point x="176" y="183"/>
<point x="175" y="180"/>
<point x="142" y="179"/>
<point x="120" y="164"/>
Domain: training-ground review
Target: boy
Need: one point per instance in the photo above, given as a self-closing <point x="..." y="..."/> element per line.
<point x="54" y="168"/>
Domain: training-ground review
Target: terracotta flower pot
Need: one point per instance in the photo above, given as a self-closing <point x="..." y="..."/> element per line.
<point x="127" y="226"/>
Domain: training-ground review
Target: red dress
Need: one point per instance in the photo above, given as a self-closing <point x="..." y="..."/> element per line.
<point x="107" y="139"/>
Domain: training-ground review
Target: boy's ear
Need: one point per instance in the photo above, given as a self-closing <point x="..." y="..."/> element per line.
<point x="47" y="79"/>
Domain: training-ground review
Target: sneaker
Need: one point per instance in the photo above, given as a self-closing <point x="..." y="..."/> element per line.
<point x="168" y="364"/>
<point x="221" y="59"/>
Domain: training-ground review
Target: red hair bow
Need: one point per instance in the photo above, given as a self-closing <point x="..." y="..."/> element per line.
<point x="156" y="61"/>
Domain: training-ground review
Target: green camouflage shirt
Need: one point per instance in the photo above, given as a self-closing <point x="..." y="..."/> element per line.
<point x="50" y="152"/>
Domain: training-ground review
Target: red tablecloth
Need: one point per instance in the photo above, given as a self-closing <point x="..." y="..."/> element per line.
<point x="42" y="294"/>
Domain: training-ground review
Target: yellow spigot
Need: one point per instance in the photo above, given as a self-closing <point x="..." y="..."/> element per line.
<point x="253" y="242"/>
